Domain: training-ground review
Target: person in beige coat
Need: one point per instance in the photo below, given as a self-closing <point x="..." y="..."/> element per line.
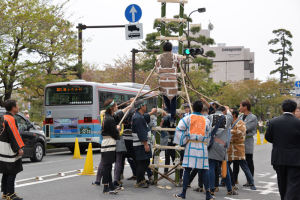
<point x="236" y="150"/>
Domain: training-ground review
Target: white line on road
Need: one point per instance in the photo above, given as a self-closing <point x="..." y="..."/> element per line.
<point x="46" y="181"/>
<point x="274" y="176"/>
<point x="44" y="163"/>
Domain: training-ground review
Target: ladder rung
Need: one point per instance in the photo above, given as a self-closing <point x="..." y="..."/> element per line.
<point x="158" y="128"/>
<point x="164" y="166"/>
<point x="173" y="1"/>
<point x="171" y="19"/>
<point x="168" y="147"/>
<point x="171" y="38"/>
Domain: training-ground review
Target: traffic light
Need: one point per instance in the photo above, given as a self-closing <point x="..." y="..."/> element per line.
<point x="194" y="51"/>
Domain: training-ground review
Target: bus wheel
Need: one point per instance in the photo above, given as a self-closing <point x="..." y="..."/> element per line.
<point x="71" y="149"/>
<point x="82" y="149"/>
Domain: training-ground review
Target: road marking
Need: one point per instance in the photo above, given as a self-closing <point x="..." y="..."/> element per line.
<point x="274" y="176"/>
<point x="267" y="188"/>
<point x="43" y="163"/>
<point x="261" y="175"/>
<point x="45" y="181"/>
<point x="234" y="199"/>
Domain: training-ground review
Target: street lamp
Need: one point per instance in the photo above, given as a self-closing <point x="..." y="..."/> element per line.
<point x="199" y="10"/>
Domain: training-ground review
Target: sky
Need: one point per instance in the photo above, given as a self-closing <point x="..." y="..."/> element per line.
<point x="247" y="23"/>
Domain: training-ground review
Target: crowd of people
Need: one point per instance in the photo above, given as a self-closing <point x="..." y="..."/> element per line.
<point x="214" y="137"/>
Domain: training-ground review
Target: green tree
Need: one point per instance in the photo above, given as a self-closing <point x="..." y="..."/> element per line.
<point x="37" y="46"/>
<point x="265" y="97"/>
<point x="284" y="51"/>
<point x="172" y="29"/>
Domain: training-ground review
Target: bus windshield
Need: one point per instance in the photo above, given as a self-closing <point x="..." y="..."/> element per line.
<point x="69" y="95"/>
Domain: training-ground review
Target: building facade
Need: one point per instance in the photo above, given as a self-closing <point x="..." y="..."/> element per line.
<point x="232" y="63"/>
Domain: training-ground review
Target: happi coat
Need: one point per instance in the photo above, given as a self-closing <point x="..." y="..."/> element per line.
<point x="193" y="131"/>
<point x="236" y="150"/>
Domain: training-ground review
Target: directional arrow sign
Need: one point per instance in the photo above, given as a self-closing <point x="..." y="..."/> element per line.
<point x="297" y="84"/>
<point x="133" y="13"/>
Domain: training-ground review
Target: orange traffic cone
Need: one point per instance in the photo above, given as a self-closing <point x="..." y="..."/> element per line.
<point x="77" y="150"/>
<point x="265" y="141"/>
<point x="258" y="138"/>
<point x="89" y="164"/>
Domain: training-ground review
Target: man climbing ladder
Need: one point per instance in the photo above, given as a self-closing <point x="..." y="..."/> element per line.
<point x="167" y="65"/>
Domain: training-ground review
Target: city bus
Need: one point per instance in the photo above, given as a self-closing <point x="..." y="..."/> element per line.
<point x="72" y="110"/>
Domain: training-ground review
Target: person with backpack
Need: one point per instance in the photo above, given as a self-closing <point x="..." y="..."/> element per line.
<point x="11" y="151"/>
<point x="217" y="148"/>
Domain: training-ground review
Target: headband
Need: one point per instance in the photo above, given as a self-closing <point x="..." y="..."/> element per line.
<point x="110" y="105"/>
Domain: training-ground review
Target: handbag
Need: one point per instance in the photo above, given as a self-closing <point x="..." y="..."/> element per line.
<point x="224" y="169"/>
<point x="120" y="145"/>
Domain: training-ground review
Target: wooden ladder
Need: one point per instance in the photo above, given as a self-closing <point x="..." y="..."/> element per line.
<point x="180" y="38"/>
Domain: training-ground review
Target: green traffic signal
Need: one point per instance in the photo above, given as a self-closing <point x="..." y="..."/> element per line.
<point x="187" y="52"/>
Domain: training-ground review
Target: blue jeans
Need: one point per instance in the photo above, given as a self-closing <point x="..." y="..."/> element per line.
<point x="186" y="179"/>
<point x="246" y="170"/>
<point x="212" y="175"/>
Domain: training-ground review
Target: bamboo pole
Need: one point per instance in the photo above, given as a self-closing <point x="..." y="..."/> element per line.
<point x="135" y="98"/>
<point x="126" y="102"/>
<point x="204" y="96"/>
<point x="185" y="88"/>
<point x="183" y="98"/>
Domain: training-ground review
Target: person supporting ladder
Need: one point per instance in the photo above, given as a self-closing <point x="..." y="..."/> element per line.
<point x="193" y="130"/>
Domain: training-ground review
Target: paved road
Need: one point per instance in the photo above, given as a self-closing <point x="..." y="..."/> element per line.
<point x="75" y="187"/>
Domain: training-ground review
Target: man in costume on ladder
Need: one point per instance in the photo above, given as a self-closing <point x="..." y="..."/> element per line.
<point x="167" y="65"/>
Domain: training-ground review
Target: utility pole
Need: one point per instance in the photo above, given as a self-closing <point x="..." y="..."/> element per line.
<point x="80" y="28"/>
<point x="134" y="52"/>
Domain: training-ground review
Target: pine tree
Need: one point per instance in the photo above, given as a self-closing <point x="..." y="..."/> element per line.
<point x="284" y="51"/>
<point x="172" y="29"/>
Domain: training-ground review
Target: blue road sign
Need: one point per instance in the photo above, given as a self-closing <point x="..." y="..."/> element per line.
<point x="133" y="13"/>
<point x="297" y="84"/>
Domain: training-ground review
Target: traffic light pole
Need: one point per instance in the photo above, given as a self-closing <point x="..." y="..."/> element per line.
<point x="80" y="28"/>
<point x="134" y="52"/>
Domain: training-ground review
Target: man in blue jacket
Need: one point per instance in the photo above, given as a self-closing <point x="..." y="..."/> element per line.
<point x="141" y="145"/>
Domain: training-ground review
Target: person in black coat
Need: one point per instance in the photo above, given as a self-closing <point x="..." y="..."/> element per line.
<point x="142" y="148"/>
<point x="284" y="133"/>
<point x="11" y="150"/>
<point x="110" y="134"/>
